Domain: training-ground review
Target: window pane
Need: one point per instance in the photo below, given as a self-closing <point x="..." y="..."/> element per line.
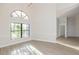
<point x="12" y="26"/>
<point x="15" y="30"/>
<point x="25" y="33"/>
<point x="23" y="14"/>
<point x="15" y="34"/>
<point x="14" y="14"/>
<point x="26" y="17"/>
<point x="25" y="27"/>
<point x="18" y="13"/>
<point x="17" y="27"/>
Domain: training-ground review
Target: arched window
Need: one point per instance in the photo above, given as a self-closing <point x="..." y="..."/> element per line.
<point x="18" y="29"/>
<point x="19" y="14"/>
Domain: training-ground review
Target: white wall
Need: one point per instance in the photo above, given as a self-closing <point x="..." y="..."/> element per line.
<point x="42" y="18"/>
<point x="44" y="22"/>
<point x="5" y="20"/>
<point x="73" y="26"/>
<point x="77" y="25"/>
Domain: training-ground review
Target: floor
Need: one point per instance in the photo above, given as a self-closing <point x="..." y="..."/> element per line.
<point x="38" y="48"/>
<point x="72" y="42"/>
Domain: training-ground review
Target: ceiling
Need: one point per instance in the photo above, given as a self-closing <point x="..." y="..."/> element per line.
<point x="66" y="8"/>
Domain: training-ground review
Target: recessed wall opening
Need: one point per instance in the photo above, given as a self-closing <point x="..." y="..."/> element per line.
<point x="68" y="29"/>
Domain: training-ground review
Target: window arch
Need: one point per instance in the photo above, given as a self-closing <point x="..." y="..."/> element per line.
<point x="19" y="30"/>
<point x="19" y="14"/>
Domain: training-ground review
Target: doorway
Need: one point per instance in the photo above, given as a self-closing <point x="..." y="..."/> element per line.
<point x="62" y="27"/>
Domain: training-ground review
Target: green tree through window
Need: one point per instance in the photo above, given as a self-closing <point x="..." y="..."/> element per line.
<point x="19" y="30"/>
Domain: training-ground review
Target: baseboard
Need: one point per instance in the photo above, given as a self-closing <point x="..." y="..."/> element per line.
<point x="5" y="43"/>
<point x="73" y="36"/>
<point x="44" y="40"/>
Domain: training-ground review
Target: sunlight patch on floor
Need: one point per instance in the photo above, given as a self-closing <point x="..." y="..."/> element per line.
<point x="70" y="46"/>
<point x="26" y="50"/>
